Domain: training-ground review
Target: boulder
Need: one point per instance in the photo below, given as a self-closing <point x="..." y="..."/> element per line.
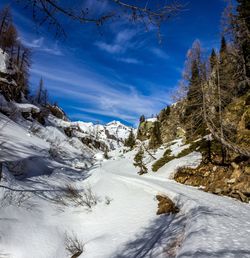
<point x="165" y="205"/>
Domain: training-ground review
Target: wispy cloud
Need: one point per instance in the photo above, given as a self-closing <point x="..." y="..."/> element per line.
<point x="39" y="45"/>
<point x="101" y="96"/>
<point x="120" y="43"/>
<point x="159" y="53"/>
<point x="110" y="48"/>
<point x="129" y="60"/>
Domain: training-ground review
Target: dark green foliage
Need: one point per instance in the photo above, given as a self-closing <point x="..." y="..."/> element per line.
<point x="193" y="117"/>
<point x="163" y="160"/>
<point x="213" y="60"/>
<point x="138" y="162"/>
<point x="142" y="119"/>
<point x="226" y="74"/>
<point x="130" y="141"/>
<point x="164" y="114"/>
<point x="206" y="147"/>
<point x="242" y="36"/>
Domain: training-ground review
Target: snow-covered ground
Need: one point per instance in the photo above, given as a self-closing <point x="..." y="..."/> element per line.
<point x="37" y="218"/>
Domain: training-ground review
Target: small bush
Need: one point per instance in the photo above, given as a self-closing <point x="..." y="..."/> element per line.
<point x="74" y="246"/>
<point x="84" y="198"/>
<point x="162" y="161"/>
<point x="108" y="200"/>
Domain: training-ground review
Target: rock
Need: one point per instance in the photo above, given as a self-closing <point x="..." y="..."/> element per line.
<point x="236" y="172"/>
<point x="247" y="170"/>
<point x="207" y="174"/>
<point x="217" y="191"/>
<point x="234" y="165"/>
<point x="231" y="181"/>
<point x="243" y="187"/>
<point x="243" y="198"/>
<point x="166" y="205"/>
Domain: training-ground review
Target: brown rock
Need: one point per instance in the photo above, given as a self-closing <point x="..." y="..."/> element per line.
<point x="166" y="205"/>
<point x="231" y="181"/>
<point x="247" y="170"/>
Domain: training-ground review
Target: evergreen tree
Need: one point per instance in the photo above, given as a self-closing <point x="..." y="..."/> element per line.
<point x="164" y="114"/>
<point x="213" y="60"/>
<point x="23" y="62"/>
<point x="130" y="141"/>
<point x="138" y="162"/>
<point x="39" y="93"/>
<point x="42" y="94"/>
<point x="142" y="119"/>
<point x="243" y="37"/>
<point x="226" y="74"/>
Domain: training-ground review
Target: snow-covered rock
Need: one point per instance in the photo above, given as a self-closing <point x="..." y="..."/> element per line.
<point x="3" y="61"/>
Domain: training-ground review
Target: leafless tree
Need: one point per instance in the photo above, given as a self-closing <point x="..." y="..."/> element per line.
<point x="150" y="13"/>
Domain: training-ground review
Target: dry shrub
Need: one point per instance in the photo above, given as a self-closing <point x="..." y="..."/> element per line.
<point x="74" y="246"/>
<point x="77" y="197"/>
<point x="17" y="199"/>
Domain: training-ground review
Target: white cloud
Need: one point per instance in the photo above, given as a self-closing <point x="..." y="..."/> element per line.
<point x="102" y="96"/>
<point x="129" y="60"/>
<point x="39" y="45"/>
<point x="110" y="48"/>
<point x="159" y="53"/>
<point x="120" y="44"/>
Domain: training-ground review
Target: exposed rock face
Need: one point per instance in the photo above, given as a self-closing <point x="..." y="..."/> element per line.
<point x="57" y="112"/>
<point x="145" y="130"/>
<point x="165" y="205"/>
<point x="171" y="126"/>
<point x="155" y="136"/>
<point x="233" y="180"/>
<point x="237" y="118"/>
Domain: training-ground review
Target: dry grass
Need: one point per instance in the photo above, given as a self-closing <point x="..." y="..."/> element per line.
<point x="75" y="197"/>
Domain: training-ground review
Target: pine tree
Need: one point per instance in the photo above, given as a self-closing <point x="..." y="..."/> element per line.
<point x="130" y="141"/>
<point x="243" y="37"/>
<point x="226" y="74"/>
<point x="23" y="62"/>
<point x="138" y="162"/>
<point x="42" y="94"/>
<point x="213" y="60"/>
<point x="142" y="119"/>
<point x="195" y="75"/>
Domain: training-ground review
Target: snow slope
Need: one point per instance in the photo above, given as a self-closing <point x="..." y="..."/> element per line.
<point x="17" y="143"/>
<point x="123" y="223"/>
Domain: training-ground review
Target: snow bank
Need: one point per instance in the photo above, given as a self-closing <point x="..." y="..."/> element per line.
<point x="153" y="119"/>
<point x="17" y="143"/>
<point x="26" y="107"/>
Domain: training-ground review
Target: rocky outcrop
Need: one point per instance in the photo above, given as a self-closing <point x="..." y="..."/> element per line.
<point x="232" y="180"/>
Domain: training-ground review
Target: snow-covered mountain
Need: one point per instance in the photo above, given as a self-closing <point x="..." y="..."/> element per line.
<point x="112" y="134"/>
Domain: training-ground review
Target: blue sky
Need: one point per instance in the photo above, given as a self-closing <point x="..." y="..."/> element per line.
<point x="122" y="71"/>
